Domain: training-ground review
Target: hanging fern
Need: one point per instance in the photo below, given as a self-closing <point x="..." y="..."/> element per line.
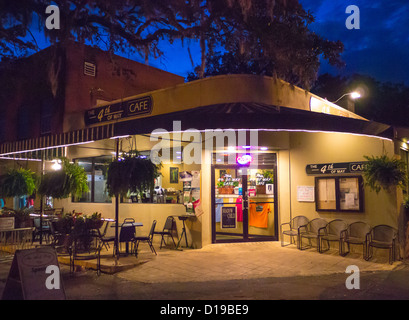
<point x="18" y="182"/>
<point x="133" y="173"/>
<point x="70" y="180"/>
<point x="384" y="173"/>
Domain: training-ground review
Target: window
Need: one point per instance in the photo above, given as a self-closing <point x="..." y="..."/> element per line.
<point x="96" y="169"/>
<point x="339" y="194"/>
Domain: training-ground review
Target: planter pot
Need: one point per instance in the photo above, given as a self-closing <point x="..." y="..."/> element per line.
<point x="95" y="224"/>
<point x="261" y="189"/>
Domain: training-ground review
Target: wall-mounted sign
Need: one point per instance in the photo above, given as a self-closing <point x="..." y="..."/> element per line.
<point x="120" y="110"/>
<point x="228" y="218"/>
<point x="244" y="159"/>
<point x="305" y="193"/>
<point x="336" y="168"/>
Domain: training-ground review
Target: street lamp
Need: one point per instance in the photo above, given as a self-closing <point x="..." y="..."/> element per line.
<point x="354" y="95"/>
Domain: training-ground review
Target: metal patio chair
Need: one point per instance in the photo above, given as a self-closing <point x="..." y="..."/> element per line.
<point x="148" y="239"/>
<point x="355" y="234"/>
<point x="294" y="229"/>
<point x="382" y="237"/>
<point x="311" y="231"/>
<point x="333" y="231"/>
<point x="168" y="229"/>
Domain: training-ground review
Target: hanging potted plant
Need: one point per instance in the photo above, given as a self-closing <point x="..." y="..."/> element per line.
<point x="384" y="173"/>
<point x="17" y="183"/>
<point x="60" y="184"/>
<point x="132" y="173"/>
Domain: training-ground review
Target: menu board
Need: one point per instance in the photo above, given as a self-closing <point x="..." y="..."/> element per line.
<point x="34" y="275"/>
<point x="228" y="218"/>
<point x="339" y="194"/>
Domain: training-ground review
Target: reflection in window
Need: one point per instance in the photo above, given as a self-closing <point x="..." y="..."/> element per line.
<point x="96" y="169"/>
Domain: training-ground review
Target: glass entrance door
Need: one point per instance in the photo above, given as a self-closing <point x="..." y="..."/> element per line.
<point x="244" y="206"/>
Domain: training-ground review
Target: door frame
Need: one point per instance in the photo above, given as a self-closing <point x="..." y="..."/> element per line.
<point x="245" y="235"/>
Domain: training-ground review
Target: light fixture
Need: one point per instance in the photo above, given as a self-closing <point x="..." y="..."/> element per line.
<point x="246" y="147"/>
<point x="56" y="165"/>
<point x="263" y="148"/>
<point x="354" y="95"/>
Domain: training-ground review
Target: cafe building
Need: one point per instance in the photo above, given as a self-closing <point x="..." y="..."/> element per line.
<point x="239" y="154"/>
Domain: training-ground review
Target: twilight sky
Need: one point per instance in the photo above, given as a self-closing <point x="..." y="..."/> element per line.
<point x="380" y="48"/>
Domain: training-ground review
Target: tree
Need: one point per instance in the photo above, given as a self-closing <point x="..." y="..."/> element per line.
<point x="117" y="26"/>
<point x="270" y="38"/>
<point x="384" y="102"/>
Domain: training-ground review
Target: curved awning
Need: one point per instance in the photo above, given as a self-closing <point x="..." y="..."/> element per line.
<point x="253" y="116"/>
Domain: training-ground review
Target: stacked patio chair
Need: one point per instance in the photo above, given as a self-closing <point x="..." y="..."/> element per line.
<point x="311" y="231"/>
<point x="333" y="231"/>
<point x="382" y="237"/>
<point x="294" y="229"/>
<point x="355" y="234"/>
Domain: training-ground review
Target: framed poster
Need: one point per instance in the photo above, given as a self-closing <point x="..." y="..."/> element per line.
<point x="174" y="175"/>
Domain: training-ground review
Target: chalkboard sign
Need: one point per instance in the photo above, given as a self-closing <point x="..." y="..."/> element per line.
<point x="34" y="275"/>
<point x="228" y="218"/>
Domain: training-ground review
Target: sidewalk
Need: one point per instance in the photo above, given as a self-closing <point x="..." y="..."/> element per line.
<point x="240" y="261"/>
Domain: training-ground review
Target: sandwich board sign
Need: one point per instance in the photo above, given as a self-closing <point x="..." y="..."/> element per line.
<point x="34" y="275"/>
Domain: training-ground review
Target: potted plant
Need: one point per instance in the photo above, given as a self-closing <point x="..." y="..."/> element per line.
<point x="22" y="218"/>
<point x="384" y="173"/>
<point x="220" y="187"/>
<point x="18" y="182"/>
<point x="133" y="173"/>
<point x="60" y="184"/>
<point x="95" y="221"/>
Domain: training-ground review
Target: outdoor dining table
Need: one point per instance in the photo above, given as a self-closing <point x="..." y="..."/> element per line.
<point x="127" y="225"/>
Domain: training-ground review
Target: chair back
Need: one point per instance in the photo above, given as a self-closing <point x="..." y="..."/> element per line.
<point x="358" y="229"/>
<point x="335" y="227"/>
<point x="383" y="233"/>
<point x="168" y="224"/>
<point x="316" y="224"/>
<point x="128" y="220"/>
<point x="299" y="221"/>
<point x="152" y="229"/>
<point x="104" y="228"/>
<point x="37" y="222"/>
<point x="126" y="234"/>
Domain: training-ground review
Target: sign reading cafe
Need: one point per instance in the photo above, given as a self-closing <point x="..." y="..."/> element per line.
<point x="336" y="168"/>
<point x="119" y="110"/>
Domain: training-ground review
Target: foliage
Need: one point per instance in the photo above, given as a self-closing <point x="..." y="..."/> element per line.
<point x="384" y="102"/>
<point x="132" y="173"/>
<point x="384" y="173"/>
<point x="18" y="182"/>
<point x="268" y="37"/>
<point x="71" y="179"/>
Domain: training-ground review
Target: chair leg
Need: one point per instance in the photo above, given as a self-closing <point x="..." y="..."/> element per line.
<point x="151" y="246"/>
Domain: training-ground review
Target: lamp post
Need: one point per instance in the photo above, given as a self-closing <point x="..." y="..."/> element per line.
<point x="351" y="105"/>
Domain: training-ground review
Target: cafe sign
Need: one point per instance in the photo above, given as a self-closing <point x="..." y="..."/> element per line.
<point x="124" y="109"/>
<point x="336" y="168"/>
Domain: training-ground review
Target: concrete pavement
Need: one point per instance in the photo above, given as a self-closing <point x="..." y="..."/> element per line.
<point x="239" y="271"/>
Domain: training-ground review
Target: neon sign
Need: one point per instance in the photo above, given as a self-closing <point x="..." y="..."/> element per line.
<point x="244" y="159"/>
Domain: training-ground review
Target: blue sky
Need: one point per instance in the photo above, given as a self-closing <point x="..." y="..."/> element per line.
<point x="380" y="48"/>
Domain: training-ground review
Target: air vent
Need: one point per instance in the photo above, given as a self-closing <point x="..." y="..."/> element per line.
<point x="90" y="69"/>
